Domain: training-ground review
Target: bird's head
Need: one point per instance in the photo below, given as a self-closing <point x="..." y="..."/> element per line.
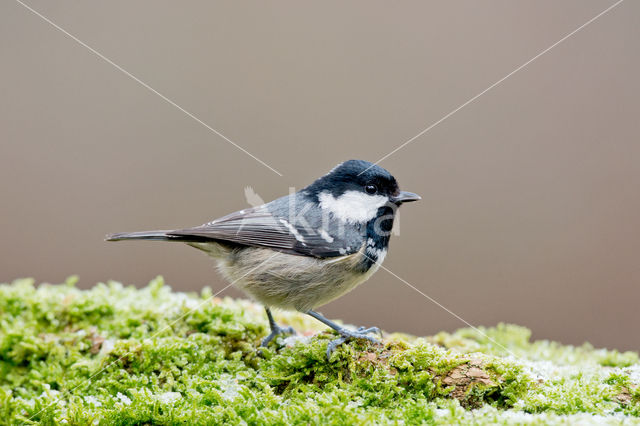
<point x="354" y="191"/>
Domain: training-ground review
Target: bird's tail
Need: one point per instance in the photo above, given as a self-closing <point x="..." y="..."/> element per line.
<point x="143" y="235"/>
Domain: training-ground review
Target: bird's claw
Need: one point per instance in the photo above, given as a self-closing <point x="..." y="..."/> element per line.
<point x="346" y="335"/>
<point x="370" y="330"/>
<point x="275" y="332"/>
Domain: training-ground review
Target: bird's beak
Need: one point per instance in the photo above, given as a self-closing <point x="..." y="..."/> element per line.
<point x="405" y="197"/>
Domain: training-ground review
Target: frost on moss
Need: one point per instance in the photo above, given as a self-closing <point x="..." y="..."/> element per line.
<point x="121" y="355"/>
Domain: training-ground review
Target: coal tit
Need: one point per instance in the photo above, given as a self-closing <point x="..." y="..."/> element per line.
<point x="305" y="249"/>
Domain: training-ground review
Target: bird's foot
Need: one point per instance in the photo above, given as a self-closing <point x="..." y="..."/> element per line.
<point x="276" y="331"/>
<point x="346" y="335"/>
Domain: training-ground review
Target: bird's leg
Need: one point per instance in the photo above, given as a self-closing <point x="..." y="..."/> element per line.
<point x="275" y="329"/>
<point x="345" y="333"/>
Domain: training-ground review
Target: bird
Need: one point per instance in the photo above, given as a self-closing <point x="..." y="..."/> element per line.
<point x="303" y="250"/>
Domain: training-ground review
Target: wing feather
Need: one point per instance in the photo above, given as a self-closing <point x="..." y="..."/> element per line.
<point x="259" y="227"/>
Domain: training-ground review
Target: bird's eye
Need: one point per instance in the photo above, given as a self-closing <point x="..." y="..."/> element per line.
<point x="370" y="189"/>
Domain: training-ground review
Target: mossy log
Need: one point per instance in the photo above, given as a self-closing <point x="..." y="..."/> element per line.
<point x="121" y="355"/>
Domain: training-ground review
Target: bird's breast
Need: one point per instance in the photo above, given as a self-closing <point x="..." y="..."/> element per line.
<point x="298" y="282"/>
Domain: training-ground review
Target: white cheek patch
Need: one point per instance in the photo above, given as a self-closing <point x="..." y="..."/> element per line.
<point x="352" y="206"/>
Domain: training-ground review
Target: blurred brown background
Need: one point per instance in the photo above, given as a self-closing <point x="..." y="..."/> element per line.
<point x="531" y="206"/>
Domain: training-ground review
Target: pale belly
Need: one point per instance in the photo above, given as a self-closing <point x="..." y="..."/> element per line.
<point x="291" y="282"/>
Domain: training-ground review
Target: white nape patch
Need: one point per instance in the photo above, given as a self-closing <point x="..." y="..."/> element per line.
<point x="325" y="236"/>
<point x="352" y="206"/>
<point x="293" y="230"/>
<point x="342" y="251"/>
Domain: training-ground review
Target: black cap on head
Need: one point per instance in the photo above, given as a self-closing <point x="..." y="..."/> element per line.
<point x="356" y="175"/>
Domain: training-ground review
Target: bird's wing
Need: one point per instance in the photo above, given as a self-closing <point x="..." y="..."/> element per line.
<point x="259" y="227"/>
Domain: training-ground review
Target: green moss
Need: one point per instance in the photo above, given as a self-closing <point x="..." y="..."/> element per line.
<point x="121" y="355"/>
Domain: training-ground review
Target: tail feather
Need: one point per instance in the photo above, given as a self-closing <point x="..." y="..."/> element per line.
<point x="142" y="235"/>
